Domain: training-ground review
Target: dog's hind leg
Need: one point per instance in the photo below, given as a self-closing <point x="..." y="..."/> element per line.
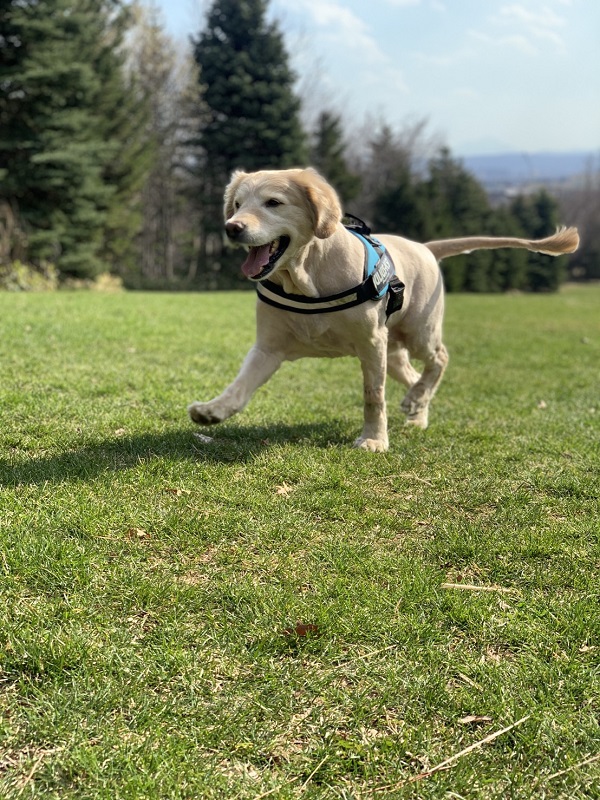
<point x="257" y="368"/>
<point x="416" y="403"/>
<point x="399" y="367"/>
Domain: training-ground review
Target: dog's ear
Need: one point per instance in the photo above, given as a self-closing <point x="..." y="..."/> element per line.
<point x="228" y="207"/>
<point x="323" y="202"/>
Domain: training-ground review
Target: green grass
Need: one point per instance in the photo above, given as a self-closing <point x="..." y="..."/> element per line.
<point x="150" y="582"/>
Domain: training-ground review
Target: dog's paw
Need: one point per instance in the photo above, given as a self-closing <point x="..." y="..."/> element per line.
<point x="373" y="445"/>
<point x="417" y="414"/>
<point x="204" y="414"/>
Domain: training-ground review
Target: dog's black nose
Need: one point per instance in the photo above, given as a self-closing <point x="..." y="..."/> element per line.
<point x="234" y="229"/>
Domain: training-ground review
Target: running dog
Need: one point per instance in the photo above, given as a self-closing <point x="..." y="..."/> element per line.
<point x="317" y="295"/>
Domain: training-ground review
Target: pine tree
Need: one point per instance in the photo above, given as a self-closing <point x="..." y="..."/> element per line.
<point x="61" y="103"/>
<point x="398" y="209"/>
<point x="537" y="216"/>
<point x="509" y="265"/>
<point x="457" y="205"/>
<point x="386" y="158"/>
<point x="328" y="156"/>
<point x="253" y="114"/>
<point x="389" y="169"/>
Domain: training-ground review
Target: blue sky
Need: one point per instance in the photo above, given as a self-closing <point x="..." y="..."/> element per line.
<point x="488" y="75"/>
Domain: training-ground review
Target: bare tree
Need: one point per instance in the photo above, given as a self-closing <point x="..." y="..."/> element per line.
<point x="170" y="82"/>
<point x="380" y="154"/>
<point x="580" y="205"/>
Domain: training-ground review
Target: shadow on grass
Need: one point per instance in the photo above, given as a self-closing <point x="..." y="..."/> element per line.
<point x="228" y="444"/>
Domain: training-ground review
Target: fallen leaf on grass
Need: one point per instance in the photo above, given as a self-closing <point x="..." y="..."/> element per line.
<point x="202" y="437"/>
<point x="178" y="492"/>
<point x="474" y="719"/>
<point x="542" y="404"/>
<point x="137" y="533"/>
<point x="284" y="490"/>
<point x="301" y="629"/>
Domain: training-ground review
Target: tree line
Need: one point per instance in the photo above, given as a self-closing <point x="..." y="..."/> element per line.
<point x="116" y="145"/>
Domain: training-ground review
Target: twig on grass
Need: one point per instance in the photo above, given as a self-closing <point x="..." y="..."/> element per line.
<point x="293" y="780"/>
<point x="570" y="769"/>
<point x="451" y="761"/>
<point x="32" y="772"/>
<point x="313" y="773"/>
<point x="29" y="777"/>
<point x="472" y="588"/>
<point x="469" y="681"/>
<point x="276" y="789"/>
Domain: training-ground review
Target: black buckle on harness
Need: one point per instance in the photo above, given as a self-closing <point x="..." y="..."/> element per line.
<point x="395" y="297"/>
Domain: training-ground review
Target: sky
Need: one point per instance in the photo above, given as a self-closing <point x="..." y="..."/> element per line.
<point x="489" y="76"/>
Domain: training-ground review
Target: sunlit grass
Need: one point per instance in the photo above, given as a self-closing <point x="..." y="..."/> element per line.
<point x="151" y="582"/>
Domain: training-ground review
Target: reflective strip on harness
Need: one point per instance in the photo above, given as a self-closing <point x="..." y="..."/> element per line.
<point x="275" y="296"/>
<point x="379" y="273"/>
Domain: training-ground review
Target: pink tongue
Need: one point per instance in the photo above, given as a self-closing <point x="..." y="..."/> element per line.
<point x="258" y="257"/>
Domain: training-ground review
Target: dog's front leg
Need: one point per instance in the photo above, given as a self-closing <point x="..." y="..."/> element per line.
<point x="374" y="435"/>
<point x="257" y="368"/>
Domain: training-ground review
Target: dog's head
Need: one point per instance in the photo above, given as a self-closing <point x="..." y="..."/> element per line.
<point x="275" y="213"/>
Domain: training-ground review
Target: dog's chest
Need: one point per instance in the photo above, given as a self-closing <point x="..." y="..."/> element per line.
<point x="317" y="335"/>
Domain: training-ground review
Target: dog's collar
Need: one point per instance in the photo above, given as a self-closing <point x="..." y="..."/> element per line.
<point x="379" y="280"/>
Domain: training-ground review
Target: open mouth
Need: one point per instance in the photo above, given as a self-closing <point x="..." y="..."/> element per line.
<point x="261" y="261"/>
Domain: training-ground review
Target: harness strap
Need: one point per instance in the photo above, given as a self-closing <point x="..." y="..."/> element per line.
<point x="379" y="280"/>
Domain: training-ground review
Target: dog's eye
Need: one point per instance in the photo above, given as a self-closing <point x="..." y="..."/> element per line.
<point x="273" y="203"/>
<point x="236" y="205"/>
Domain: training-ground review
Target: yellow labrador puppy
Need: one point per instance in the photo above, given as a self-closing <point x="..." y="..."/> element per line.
<point x="328" y="290"/>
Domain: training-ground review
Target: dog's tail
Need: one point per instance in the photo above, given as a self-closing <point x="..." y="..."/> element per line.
<point x="565" y="240"/>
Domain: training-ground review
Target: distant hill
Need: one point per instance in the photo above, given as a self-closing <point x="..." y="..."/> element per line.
<point x="515" y="169"/>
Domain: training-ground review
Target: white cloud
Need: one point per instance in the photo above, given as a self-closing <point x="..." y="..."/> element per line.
<point x="520" y="28"/>
<point x="342" y="27"/>
<point x="514" y="42"/>
<point x="542" y="24"/>
<point x="543" y="18"/>
<point x="340" y="24"/>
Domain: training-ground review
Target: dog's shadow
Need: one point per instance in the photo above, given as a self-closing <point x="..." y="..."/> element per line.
<point x="222" y="445"/>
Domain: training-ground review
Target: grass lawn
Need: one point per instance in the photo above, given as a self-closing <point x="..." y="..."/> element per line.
<point x="272" y="613"/>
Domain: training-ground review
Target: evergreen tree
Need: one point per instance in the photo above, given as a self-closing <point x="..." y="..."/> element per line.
<point x="457" y="201"/>
<point x="387" y="161"/>
<point x="62" y="102"/>
<point x="509" y="265"/>
<point x="398" y="208"/>
<point x="457" y="205"/>
<point x="537" y="215"/>
<point x="253" y="114"/>
<point x="328" y="156"/>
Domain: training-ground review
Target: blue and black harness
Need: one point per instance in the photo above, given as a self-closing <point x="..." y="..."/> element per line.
<point x="379" y="281"/>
